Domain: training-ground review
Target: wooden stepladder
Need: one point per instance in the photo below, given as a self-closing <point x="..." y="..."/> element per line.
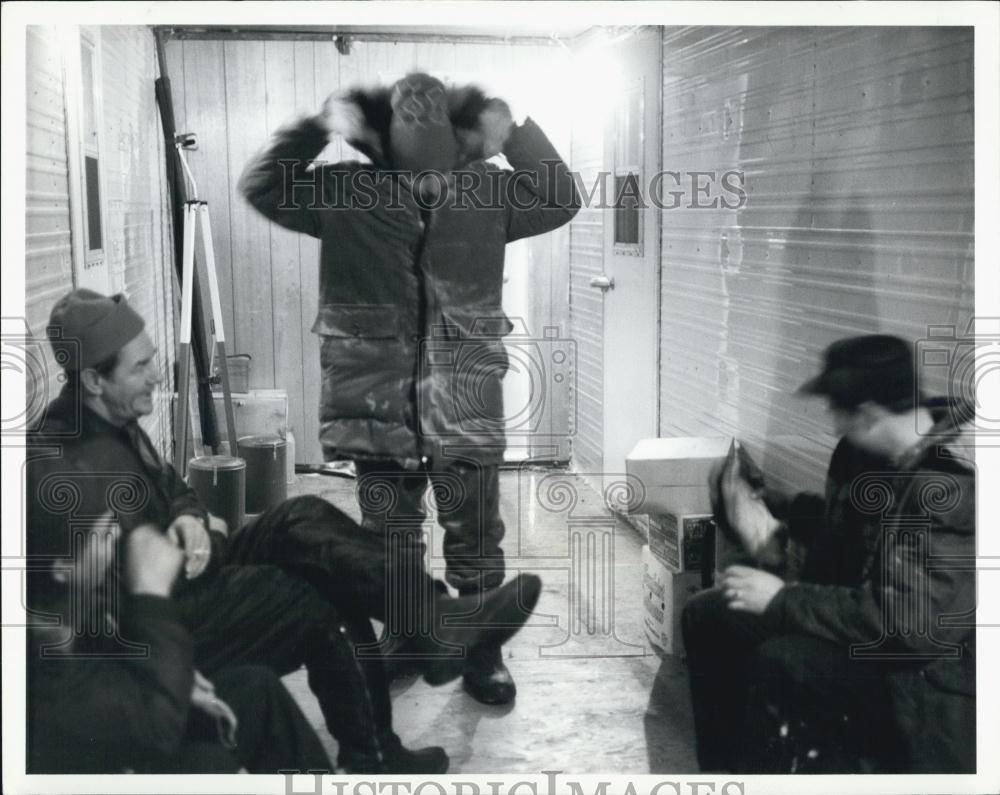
<point x="196" y="216"/>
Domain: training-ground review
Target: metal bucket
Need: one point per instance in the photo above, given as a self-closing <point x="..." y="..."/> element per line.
<point x="220" y="483"/>
<point x="267" y="484"/>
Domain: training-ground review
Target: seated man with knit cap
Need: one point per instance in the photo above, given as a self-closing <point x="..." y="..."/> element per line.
<point x="296" y="586"/>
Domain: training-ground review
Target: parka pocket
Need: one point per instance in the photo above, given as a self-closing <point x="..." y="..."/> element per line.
<point x="360" y="321"/>
<point x="474" y="322"/>
<point x="470" y="340"/>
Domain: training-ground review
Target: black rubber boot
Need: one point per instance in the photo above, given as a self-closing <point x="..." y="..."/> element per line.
<point x="486" y="678"/>
<point x="393" y="758"/>
<point x="465" y="624"/>
<point x="359" y="713"/>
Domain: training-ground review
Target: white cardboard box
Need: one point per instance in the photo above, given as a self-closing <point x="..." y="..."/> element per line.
<point x="664" y="594"/>
<point x="674" y="473"/>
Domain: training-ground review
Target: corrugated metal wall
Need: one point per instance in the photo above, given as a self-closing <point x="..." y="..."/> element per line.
<point x="587" y="303"/>
<point x="136" y="222"/>
<point x="857" y="145"/>
<point x="48" y="257"/>
<point x="233" y="94"/>
<point x="139" y="249"/>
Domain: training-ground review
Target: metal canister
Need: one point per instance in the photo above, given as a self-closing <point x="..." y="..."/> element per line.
<point x="220" y="483"/>
<point x="266" y="478"/>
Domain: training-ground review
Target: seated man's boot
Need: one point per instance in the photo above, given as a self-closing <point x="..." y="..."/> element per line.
<point x="477" y="621"/>
<point x="354" y="696"/>
<point x="391" y="757"/>
<point x="486" y="678"/>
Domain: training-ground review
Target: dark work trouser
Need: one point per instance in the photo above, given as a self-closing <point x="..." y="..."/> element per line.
<point x="272" y="735"/>
<point x="467" y="501"/>
<point x="767" y="703"/>
<point x="249" y="614"/>
<point x="358" y="572"/>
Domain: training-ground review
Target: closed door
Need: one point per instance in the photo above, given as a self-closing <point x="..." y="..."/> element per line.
<point x="630" y="282"/>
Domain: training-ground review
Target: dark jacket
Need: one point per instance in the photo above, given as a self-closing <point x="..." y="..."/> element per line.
<point x="80" y="466"/>
<point x="890" y="570"/>
<point x="104" y="706"/>
<point x="410" y="299"/>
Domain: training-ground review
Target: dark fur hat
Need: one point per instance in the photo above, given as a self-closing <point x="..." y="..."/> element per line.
<point x="479" y="124"/>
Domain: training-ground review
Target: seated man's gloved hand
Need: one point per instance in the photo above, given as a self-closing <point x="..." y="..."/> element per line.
<point x="189" y="533"/>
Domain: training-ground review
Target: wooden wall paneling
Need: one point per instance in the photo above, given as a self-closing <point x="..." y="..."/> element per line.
<point x="436" y="57"/>
<point x="307" y="449"/>
<point x="286" y="280"/>
<point x="204" y="95"/>
<point x="352" y="70"/>
<point x="328" y="66"/>
<point x="246" y="100"/>
<point x="388" y="61"/>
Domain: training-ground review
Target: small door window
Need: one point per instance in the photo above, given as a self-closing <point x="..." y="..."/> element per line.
<point x="629" y="199"/>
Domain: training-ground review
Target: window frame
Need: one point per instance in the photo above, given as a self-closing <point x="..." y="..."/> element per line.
<point x="90" y="266"/>
<point x="623" y="168"/>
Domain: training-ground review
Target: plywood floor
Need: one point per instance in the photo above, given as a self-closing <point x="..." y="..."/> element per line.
<point x="592" y="698"/>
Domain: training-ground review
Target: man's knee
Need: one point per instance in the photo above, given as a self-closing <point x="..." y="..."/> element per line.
<point x="311" y="507"/>
<point x="707" y="610"/>
<point x="787" y="661"/>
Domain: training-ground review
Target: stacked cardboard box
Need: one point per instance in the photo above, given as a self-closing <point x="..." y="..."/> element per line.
<point x="673" y="473"/>
<point x="676" y="510"/>
<point x="664" y="594"/>
<point x="679" y="541"/>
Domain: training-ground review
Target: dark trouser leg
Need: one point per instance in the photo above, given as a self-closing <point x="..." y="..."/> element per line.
<point x="261" y="615"/>
<point x="310" y="537"/>
<point x="273" y="734"/>
<point x="811" y="708"/>
<point x="467" y="495"/>
<point x="392" y="510"/>
<point x="718" y="642"/>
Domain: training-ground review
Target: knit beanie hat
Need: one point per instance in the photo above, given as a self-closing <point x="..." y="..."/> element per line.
<point x="85" y="327"/>
<point x="421" y="137"/>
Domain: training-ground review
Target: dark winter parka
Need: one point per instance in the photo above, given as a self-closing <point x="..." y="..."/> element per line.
<point x="890" y="571"/>
<point x="410" y="309"/>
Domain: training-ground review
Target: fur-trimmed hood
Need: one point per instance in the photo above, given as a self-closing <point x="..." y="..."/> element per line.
<point x="369" y="118"/>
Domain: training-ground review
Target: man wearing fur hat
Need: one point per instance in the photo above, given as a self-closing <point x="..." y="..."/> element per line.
<point x="410" y="283"/>
<point x="867" y="656"/>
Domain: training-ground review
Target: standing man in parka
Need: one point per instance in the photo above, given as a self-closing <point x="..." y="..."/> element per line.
<point x="411" y="275"/>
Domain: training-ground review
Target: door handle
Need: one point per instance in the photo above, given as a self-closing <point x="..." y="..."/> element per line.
<point x="604" y="283"/>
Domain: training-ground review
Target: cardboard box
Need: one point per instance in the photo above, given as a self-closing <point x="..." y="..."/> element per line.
<point x="679" y="540"/>
<point x="674" y="473"/>
<point x="664" y="594"/>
